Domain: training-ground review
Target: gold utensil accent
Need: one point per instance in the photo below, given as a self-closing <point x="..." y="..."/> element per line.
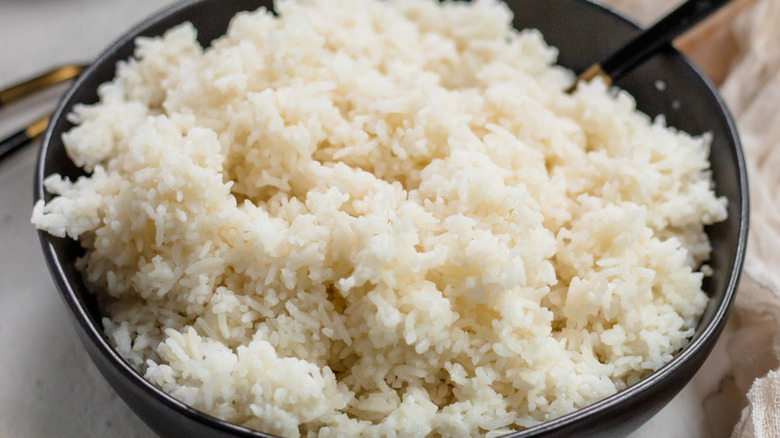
<point x="23" y="89"/>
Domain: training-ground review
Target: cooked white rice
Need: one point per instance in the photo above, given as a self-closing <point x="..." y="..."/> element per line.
<point x="366" y="217"/>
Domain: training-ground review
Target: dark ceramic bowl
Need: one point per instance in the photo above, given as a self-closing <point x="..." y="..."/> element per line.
<point x="583" y="32"/>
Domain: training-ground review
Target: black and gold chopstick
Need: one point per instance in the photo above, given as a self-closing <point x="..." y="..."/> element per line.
<point x="23" y="89"/>
<point x="21" y="138"/>
<point x="649" y="41"/>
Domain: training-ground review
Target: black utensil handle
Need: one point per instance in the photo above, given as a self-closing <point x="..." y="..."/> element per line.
<point x="662" y="32"/>
<point x="12" y="143"/>
<point x="22" y="137"/>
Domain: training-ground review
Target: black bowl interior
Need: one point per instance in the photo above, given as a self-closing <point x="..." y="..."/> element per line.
<point x="584" y="33"/>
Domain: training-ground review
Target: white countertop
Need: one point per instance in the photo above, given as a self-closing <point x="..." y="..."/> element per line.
<point x="48" y="385"/>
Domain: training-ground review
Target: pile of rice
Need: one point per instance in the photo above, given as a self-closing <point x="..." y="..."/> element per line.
<point x="368" y="217"/>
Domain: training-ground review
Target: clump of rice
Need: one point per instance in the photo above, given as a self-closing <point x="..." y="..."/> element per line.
<point x="366" y="217"/>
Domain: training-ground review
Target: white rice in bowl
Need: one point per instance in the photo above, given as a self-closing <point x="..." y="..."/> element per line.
<point x="366" y="218"/>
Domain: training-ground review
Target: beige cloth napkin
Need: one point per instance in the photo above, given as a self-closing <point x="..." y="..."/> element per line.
<point x="739" y="48"/>
<point x="752" y="90"/>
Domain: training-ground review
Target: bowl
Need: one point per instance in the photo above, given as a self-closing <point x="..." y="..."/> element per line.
<point x="583" y="32"/>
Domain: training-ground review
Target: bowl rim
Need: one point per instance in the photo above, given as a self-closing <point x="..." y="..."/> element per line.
<point x="95" y="334"/>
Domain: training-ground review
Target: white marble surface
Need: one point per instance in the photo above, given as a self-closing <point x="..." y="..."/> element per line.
<point x="48" y="385"/>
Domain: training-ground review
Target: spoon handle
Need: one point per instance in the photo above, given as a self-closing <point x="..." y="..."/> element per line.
<point x="20" y="138"/>
<point x="659" y="34"/>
